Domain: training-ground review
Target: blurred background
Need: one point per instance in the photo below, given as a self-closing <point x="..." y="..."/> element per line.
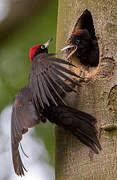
<point x="24" y="23"/>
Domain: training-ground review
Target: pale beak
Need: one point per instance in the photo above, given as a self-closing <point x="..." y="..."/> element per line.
<point x="67" y="47"/>
<point x="72" y="52"/>
<point x="47" y="43"/>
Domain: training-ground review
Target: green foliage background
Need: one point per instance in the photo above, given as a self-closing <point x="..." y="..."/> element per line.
<point x="15" y="63"/>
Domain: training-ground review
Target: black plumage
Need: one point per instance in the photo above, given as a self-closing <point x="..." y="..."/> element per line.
<point x="43" y="98"/>
<point x="47" y="79"/>
<point x="80" y="124"/>
<point x="83" y="41"/>
<point x="87" y="49"/>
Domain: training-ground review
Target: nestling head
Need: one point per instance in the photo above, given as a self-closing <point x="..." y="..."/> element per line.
<point x="80" y="39"/>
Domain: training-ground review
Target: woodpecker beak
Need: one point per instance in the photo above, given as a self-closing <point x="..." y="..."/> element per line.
<point x="47" y="43"/>
<point x="69" y="47"/>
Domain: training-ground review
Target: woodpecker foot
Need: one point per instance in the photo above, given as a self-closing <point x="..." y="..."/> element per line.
<point x="91" y="154"/>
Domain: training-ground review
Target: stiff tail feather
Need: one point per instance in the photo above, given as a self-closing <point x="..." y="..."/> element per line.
<point x="79" y="123"/>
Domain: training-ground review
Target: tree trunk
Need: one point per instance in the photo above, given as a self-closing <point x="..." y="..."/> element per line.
<point x="98" y="97"/>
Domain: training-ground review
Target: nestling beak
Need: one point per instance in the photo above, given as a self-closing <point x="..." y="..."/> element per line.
<point x="69" y="47"/>
<point x="47" y="43"/>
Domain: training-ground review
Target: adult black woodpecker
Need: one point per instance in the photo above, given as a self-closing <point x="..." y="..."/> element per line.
<point x="43" y="99"/>
<point x="83" y="41"/>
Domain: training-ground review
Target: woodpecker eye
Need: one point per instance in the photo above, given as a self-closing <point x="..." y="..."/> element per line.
<point x="42" y="47"/>
<point x="77" y="41"/>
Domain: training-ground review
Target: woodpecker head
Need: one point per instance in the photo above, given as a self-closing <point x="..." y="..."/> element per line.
<point x="80" y="39"/>
<point x="40" y="48"/>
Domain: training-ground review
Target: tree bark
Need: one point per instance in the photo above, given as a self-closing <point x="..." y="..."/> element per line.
<point x="98" y="97"/>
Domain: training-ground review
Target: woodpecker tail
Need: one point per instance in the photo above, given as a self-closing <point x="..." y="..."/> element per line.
<point x="81" y="124"/>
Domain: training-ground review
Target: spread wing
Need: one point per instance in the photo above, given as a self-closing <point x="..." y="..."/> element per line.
<point x="47" y="79"/>
<point x="24" y="116"/>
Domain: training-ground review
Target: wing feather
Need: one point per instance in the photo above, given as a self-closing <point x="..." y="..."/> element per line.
<point x="54" y="59"/>
<point x="63" y="75"/>
<point x="16" y="136"/>
<point x="47" y="90"/>
<point x="24" y="116"/>
<point x="57" y="83"/>
<point x="43" y="90"/>
<point x="62" y="83"/>
<point x="52" y="87"/>
<point x="47" y="73"/>
<point x="57" y="66"/>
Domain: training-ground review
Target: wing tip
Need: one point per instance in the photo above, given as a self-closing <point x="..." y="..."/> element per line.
<point x="20" y="170"/>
